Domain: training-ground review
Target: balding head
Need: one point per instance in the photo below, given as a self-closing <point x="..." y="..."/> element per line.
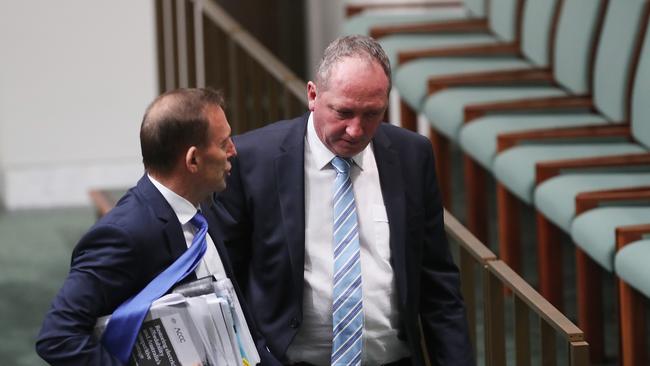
<point x="173" y="122"/>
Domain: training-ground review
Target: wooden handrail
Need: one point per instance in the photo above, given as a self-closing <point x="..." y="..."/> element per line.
<point x="254" y="48"/>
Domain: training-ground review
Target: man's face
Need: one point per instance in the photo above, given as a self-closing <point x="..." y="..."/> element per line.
<point x="214" y="156"/>
<point x="348" y="112"/>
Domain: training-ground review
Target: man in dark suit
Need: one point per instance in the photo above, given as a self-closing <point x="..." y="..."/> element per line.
<point x="280" y="222"/>
<point x="186" y="147"/>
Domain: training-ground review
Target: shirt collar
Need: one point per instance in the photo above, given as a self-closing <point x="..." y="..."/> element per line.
<point x="321" y="155"/>
<point x="183" y="208"/>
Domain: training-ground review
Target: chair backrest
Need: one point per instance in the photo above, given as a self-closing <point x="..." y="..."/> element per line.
<point x="615" y="56"/>
<point x="575" y="39"/>
<point x="640" y="114"/>
<point x="537" y="24"/>
<point x="502" y="18"/>
<point x="475" y="8"/>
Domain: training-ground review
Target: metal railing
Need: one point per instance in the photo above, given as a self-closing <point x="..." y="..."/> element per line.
<point x="203" y="46"/>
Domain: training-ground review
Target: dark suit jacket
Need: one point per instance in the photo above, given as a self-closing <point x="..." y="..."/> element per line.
<point x="118" y="256"/>
<point x="262" y="216"/>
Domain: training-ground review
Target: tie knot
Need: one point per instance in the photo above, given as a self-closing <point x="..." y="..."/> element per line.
<point x="342" y="165"/>
<point x="199" y="220"/>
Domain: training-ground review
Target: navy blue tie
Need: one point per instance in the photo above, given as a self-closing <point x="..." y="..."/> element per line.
<point x="124" y="325"/>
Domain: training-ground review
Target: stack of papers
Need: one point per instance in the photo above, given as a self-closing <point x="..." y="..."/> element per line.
<point x="200" y="323"/>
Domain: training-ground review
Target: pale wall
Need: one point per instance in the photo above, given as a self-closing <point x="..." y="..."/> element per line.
<point x="75" y="78"/>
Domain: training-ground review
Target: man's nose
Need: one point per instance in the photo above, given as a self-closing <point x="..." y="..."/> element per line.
<point x="232" y="150"/>
<point x="354" y="129"/>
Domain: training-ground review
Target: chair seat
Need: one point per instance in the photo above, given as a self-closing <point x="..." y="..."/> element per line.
<point x="411" y="78"/>
<point x="515" y="167"/>
<point x="445" y="110"/>
<point x="555" y="198"/>
<point x="394" y="44"/>
<point x="631" y="265"/>
<point x="361" y="24"/>
<point x="478" y="139"/>
<point x="595" y="231"/>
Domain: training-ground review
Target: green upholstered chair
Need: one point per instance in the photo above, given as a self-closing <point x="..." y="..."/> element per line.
<point x="574" y="40"/>
<point x="544" y="168"/>
<point x="362" y="17"/>
<point x="631" y="266"/>
<point x="499" y="25"/>
<point x="528" y="51"/>
<point x="598" y="214"/>
<point x="529" y="159"/>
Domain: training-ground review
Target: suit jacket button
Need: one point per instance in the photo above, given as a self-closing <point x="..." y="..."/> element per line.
<point x="294" y="323"/>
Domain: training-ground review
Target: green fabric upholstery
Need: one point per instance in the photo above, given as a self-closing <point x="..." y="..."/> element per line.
<point x="595" y="231"/>
<point x="612" y="68"/>
<point x="394" y="44"/>
<point x="361" y="23"/>
<point x="631" y="264"/>
<point x="574" y="41"/>
<point x="445" y="109"/>
<point x="502" y="18"/>
<point x="537" y="20"/>
<point x="640" y="113"/>
<point x="411" y="79"/>
<point x="515" y="167"/>
<point x="478" y="139"/>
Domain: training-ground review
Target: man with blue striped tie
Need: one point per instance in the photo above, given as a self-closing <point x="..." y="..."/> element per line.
<point x="334" y="223"/>
<point x="160" y="232"/>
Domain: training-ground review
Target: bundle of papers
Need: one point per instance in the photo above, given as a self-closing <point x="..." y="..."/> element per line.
<point x="200" y="323"/>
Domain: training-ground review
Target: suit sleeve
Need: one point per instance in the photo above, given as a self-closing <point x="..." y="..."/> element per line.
<point x="442" y="310"/>
<point x="102" y="264"/>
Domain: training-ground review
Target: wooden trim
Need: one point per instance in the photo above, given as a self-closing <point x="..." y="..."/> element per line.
<point x="548" y="169"/>
<point x="354" y="9"/>
<point x="467" y="240"/>
<point x="535" y="301"/>
<point x="596" y="41"/>
<point x="586" y="201"/>
<point x="553" y="35"/>
<point x="473" y="111"/>
<point x="510" y="139"/>
<point x="101" y="201"/>
<point x="540" y="75"/>
<point x="641" y="34"/>
<point x="630" y="233"/>
<point x="506" y="49"/>
<point x="579" y="353"/>
<point x="478" y="25"/>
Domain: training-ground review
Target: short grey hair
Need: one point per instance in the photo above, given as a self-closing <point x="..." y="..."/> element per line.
<point x="351" y="46"/>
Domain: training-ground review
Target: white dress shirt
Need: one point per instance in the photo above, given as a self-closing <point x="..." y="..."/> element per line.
<point x="313" y="343"/>
<point x="184" y="210"/>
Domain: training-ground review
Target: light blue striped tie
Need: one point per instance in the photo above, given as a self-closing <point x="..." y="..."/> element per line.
<point x="347" y="314"/>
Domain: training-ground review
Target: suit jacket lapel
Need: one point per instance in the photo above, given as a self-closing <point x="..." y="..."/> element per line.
<point x="171" y="227"/>
<point x="290" y="180"/>
<point x="392" y="189"/>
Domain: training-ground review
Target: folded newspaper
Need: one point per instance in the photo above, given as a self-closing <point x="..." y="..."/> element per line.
<point x="199" y="323"/>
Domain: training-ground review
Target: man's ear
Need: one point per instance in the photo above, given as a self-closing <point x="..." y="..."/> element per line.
<point x="192" y="159"/>
<point x="311" y="95"/>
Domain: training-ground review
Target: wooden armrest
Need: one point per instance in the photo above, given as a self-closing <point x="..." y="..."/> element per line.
<point x="479" y="25"/>
<point x="354" y="9"/>
<point x="438" y="83"/>
<point x="627" y="234"/>
<point x="508" y="140"/>
<point x="548" y="169"/>
<point x="474" y="111"/>
<point x="478" y="50"/>
<point x="586" y="201"/>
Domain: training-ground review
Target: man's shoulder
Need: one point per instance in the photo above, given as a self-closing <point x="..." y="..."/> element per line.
<point x="271" y="134"/>
<point x="401" y="137"/>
